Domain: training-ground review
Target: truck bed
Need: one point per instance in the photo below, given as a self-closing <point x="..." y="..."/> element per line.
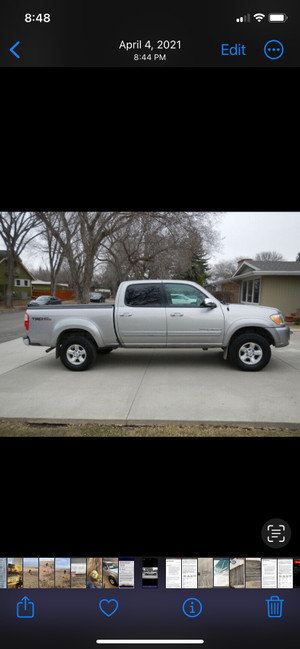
<point x="46" y="323"/>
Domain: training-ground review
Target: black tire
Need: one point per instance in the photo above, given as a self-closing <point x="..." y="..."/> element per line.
<point x="77" y="353"/>
<point x="249" y="352"/>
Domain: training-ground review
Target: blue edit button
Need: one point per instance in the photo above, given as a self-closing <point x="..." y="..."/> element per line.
<point x="237" y="49"/>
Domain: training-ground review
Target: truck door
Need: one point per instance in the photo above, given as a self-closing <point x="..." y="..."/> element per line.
<point x="141" y="322"/>
<point x="189" y="323"/>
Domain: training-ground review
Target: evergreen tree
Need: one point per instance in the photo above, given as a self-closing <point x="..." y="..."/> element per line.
<point x="198" y="271"/>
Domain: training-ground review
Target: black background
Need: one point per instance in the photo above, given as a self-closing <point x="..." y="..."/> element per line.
<point x="215" y="140"/>
<point x="203" y="498"/>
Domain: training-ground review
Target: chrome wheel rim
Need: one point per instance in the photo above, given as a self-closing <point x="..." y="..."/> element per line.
<point x="250" y="353"/>
<point x="76" y="354"/>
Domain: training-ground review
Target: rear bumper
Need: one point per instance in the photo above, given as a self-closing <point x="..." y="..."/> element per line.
<point x="281" y="335"/>
<point x="26" y="341"/>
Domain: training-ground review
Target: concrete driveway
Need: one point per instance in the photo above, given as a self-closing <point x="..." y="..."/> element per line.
<point x="150" y="386"/>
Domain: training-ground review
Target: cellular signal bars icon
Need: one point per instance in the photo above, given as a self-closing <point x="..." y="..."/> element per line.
<point x="243" y="19"/>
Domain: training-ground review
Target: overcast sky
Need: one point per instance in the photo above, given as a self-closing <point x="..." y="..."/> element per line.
<point x="247" y="233"/>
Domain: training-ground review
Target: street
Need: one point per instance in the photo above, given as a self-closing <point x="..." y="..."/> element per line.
<point x="11" y="325"/>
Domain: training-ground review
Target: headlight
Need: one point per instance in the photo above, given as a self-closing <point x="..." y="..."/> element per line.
<point x="277" y="318"/>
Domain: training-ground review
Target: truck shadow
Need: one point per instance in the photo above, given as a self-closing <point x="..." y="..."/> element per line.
<point x="124" y="358"/>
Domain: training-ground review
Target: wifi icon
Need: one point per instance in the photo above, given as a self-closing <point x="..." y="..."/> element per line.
<point x="259" y="17"/>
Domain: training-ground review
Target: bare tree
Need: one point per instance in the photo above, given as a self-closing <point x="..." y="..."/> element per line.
<point x="17" y="229"/>
<point x="224" y="269"/>
<point x="158" y="244"/>
<point x="136" y="244"/>
<point x="133" y="251"/>
<point x="269" y="255"/>
<point x="80" y="235"/>
<point x="49" y="244"/>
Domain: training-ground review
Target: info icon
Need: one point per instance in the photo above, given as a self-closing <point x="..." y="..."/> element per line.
<point x="276" y="533"/>
<point x="192" y="607"/>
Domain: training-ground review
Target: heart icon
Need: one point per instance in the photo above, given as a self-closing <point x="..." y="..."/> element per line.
<point x="108" y="606"/>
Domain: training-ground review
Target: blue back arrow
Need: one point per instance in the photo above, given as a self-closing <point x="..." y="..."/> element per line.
<point x="13" y="47"/>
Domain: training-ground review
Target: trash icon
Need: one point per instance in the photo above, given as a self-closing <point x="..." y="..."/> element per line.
<point x="274" y="606"/>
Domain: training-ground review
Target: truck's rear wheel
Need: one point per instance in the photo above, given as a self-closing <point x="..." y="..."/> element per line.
<point x="250" y="352"/>
<point x="77" y="353"/>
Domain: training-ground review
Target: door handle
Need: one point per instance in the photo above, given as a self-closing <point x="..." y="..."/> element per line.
<point x="176" y="315"/>
<point x="125" y="315"/>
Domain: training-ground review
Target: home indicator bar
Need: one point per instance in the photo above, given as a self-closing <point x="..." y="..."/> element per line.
<point x="150" y="641"/>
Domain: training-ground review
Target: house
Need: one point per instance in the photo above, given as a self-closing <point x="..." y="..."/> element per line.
<point x="22" y="279"/>
<point x="270" y="283"/>
<point x="224" y="290"/>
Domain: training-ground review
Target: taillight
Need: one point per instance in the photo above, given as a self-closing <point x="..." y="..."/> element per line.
<point x="26" y="321"/>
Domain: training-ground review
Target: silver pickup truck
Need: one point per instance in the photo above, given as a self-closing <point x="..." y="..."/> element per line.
<point x="158" y="313"/>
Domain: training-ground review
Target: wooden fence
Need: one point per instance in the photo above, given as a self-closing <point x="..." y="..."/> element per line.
<point x="63" y="294"/>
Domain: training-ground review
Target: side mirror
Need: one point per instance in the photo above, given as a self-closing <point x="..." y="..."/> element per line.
<point x="208" y="304"/>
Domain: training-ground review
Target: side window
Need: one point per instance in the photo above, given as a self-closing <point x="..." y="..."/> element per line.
<point x="183" y="295"/>
<point x="143" y="295"/>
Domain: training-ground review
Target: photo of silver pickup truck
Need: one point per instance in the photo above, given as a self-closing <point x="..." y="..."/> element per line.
<point x="158" y="313"/>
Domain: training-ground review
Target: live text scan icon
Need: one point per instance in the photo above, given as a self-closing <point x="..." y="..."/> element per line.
<point x="276" y="533"/>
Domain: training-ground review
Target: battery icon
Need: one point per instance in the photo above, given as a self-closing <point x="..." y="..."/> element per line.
<point x="277" y="18"/>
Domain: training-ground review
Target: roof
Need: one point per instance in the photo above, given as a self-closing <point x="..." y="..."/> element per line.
<point x="276" y="265"/>
<point x="220" y="281"/>
<point x="3" y="256"/>
<point x="41" y="282"/>
<point x="254" y="267"/>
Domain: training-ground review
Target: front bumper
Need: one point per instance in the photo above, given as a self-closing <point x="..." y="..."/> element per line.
<point x="280" y="335"/>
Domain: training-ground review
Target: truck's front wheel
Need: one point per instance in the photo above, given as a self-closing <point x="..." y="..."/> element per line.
<point x="250" y="352"/>
<point x="77" y="353"/>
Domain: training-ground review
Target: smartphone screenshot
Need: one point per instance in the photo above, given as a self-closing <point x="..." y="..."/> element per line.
<point x="149" y="359"/>
<point x="150" y="573"/>
<point x="154" y="34"/>
<point x="126" y="573"/>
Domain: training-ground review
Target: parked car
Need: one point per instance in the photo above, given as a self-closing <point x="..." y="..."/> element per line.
<point x="42" y="300"/>
<point x="97" y="297"/>
<point x="110" y="569"/>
